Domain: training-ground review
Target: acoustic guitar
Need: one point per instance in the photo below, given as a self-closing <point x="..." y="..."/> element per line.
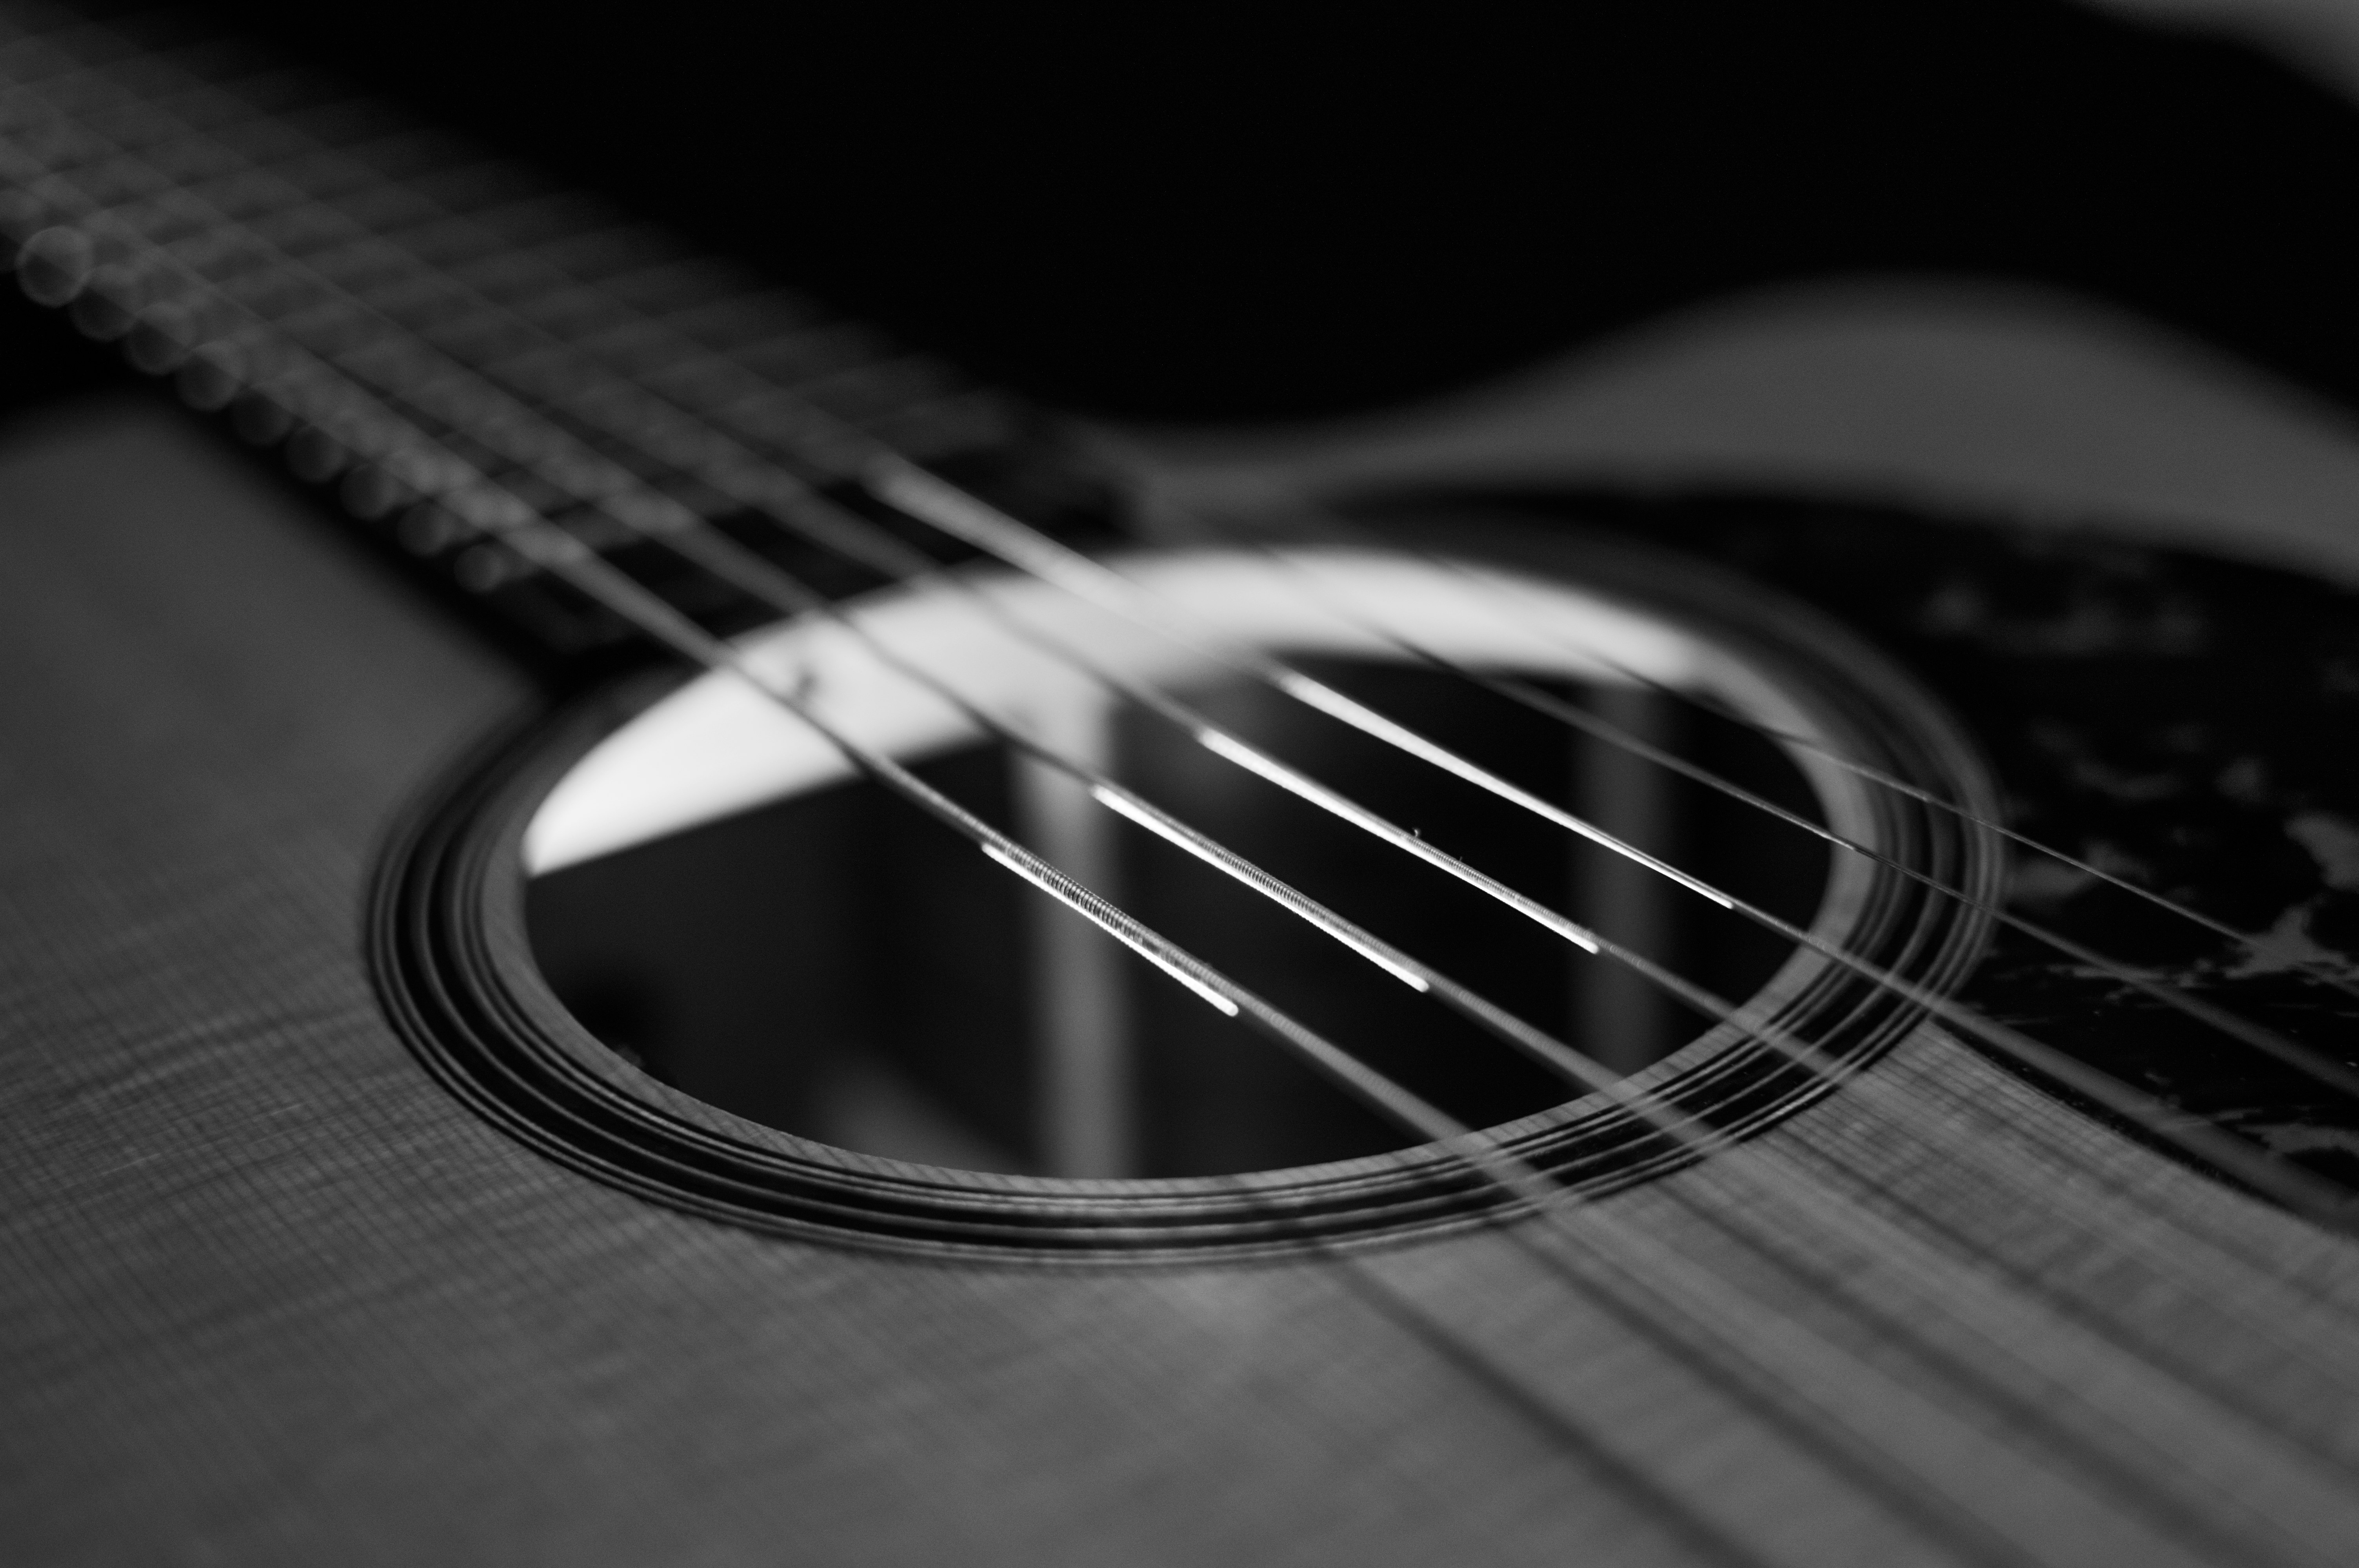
<point x="661" y="932"/>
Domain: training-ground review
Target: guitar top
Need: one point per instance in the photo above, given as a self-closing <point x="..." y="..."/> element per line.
<point x="676" y="936"/>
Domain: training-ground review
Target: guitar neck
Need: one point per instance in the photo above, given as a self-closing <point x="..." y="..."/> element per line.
<point x="464" y="353"/>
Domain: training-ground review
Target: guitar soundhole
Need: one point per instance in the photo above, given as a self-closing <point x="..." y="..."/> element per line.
<point x="678" y="941"/>
<point x="840" y="967"/>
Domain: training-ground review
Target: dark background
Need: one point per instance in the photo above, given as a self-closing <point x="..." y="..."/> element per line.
<point x="1194" y="215"/>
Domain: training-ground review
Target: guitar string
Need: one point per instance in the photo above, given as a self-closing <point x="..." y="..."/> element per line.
<point x="1402" y="1108"/>
<point x="2263" y="1039"/>
<point x="2304" y="1058"/>
<point x="1336" y="525"/>
<point x="1448" y="1343"/>
<point x="1462" y="567"/>
<point x="1577" y="1068"/>
<point x="708" y="559"/>
<point x="2204" y="1013"/>
<point x="2247" y="1031"/>
<point x="2250" y="1034"/>
<point x="1869" y="1087"/>
<point x="1040" y="555"/>
<point x="1343" y="530"/>
<point x="559" y="552"/>
<point x="608" y="486"/>
<point x="2293" y="1053"/>
<point x="1857" y="1087"/>
<point x="673" y="520"/>
<point x="2317" y="971"/>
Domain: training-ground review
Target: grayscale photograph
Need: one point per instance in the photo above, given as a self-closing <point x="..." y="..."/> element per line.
<point x="898" y="785"/>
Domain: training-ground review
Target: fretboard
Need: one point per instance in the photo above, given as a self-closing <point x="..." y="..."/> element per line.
<point x="463" y="352"/>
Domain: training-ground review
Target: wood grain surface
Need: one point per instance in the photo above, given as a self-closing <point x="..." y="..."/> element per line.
<point x="273" y="1296"/>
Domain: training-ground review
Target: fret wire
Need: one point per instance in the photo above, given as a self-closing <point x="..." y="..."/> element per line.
<point x="241" y="168"/>
<point x="780" y="342"/>
<point x="364" y="240"/>
<point x="244" y="167"/>
<point x="581" y="472"/>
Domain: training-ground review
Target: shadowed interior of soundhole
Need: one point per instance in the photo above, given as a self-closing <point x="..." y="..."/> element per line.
<point x="840" y="967"/>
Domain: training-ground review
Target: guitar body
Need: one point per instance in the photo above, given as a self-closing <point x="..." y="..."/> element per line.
<point x="274" y="1294"/>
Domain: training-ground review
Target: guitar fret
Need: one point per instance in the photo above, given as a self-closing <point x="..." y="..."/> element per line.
<point x="459" y="227"/>
<point x="360" y="245"/>
<point x="517" y="362"/>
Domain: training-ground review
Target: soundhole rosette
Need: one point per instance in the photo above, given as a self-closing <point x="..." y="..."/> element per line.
<point x="472" y="945"/>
